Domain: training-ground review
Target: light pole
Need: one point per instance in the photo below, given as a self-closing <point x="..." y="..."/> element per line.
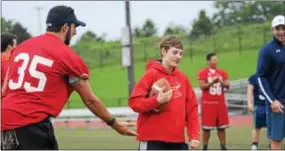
<point x="128" y="48"/>
<point x="38" y="9"/>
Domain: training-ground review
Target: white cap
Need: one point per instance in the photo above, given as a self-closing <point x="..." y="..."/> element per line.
<point x="278" y="20"/>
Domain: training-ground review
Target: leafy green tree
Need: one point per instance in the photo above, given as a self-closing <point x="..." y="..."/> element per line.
<point x="175" y="29"/>
<point x="149" y="29"/>
<point x="202" y="26"/>
<point x="15" y="28"/>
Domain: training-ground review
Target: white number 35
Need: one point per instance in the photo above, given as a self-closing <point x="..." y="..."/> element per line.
<point x="32" y="71"/>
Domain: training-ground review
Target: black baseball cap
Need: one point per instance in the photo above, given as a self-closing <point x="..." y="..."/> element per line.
<point x="59" y="15"/>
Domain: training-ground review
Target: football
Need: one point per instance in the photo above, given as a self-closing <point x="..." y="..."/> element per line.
<point x="156" y="88"/>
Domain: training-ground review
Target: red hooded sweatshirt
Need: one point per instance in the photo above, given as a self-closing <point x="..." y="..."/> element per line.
<point x="181" y="111"/>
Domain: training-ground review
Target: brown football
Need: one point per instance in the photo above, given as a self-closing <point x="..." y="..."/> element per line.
<point x="156" y="88"/>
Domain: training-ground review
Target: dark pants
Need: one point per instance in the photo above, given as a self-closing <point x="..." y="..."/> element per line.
<point x="39" y="136"/>
<point x="161" y="145"/>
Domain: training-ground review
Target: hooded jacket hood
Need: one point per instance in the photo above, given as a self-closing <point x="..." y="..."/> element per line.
<point x="156" y="65"/>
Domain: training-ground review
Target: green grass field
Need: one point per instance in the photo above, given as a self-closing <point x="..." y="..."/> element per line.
<point x="111" y="83"/>
<point x="237" y="138"/>
<point x="237" y="48"/>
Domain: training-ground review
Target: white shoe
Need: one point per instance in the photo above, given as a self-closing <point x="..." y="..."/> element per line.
<point x="253" y="147"/>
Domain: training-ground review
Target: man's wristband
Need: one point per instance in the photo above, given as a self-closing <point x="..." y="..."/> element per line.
<point x="111" y="122"/>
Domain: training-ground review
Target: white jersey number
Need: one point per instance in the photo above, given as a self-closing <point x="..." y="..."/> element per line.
<point x="216" y="88"/>
<point x="32" y="71"/>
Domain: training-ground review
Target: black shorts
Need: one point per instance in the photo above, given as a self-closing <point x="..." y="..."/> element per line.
<point x="161" y="145"/>
<point x="37" y="136"/>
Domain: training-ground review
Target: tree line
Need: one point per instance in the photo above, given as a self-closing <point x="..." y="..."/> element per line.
<point x="228" y="13"/>
<point x="15" y="28"/>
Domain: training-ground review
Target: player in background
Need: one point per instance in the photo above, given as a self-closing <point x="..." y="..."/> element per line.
<point x="164" y="130"/>
<point x="271" y="80"/>
<point x="256" y="103"/>
<point x="8" y="43"/>
<point x="213" y="81"/>
<point x="44" y="71"/>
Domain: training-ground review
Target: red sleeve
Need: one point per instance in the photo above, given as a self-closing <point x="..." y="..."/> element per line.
<point x="226" y="76"/>
<point x="202" y="75"/>
<point x="74" y="66"/>
<point x="4" y="67"/>
<point x="192" y="115"/>
<point x="4" y="76"/>
<point x="138" y="100"/>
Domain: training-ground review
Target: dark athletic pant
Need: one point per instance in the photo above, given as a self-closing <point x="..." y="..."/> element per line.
<point x="161" y="145"/>
<point x="39" y="136"/>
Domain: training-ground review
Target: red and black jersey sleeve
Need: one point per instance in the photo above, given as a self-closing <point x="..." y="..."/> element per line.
<point x="202" y="75"/>
<point x="74" y="66"/>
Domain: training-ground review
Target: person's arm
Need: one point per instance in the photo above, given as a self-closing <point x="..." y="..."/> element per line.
<point x="203" y="84"/>
<point x="263" y="71"/>
<point x="225" y="83"/>
<point x="77" y="72"/>
<point x="94" y="104"/>
<point x="192" y="115"/>
<point x="249" y="93"/>
<point x="138" y="100"/>
<point x="224" y="80"/>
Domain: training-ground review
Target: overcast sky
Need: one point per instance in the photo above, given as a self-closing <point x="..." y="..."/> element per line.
<point x="108" y="16"/>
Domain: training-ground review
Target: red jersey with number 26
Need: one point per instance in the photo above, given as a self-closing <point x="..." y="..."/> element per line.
<point x="38" y="81"/>
<point x="215" y="92"/>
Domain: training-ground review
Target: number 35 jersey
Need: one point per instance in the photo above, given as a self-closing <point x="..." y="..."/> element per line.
<point x="38" y="80"/>
<point x="216" y="91"/>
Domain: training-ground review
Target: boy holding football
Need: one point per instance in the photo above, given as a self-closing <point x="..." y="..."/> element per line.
<point x="164" y="129"/>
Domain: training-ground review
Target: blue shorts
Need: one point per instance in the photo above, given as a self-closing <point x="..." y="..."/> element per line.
<point x="259" y="116"/>
<point x="275" y="125"/>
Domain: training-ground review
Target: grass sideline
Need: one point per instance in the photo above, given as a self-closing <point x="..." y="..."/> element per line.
<point x="110" y="84"/>
<point x="237" y="138"/>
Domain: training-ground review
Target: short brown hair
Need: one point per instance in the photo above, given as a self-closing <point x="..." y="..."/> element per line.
<point x="171" y="41"/>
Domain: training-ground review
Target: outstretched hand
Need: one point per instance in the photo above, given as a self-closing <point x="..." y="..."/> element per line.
<point x="123" y="128"/>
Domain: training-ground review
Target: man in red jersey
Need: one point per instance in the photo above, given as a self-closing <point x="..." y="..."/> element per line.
<point x="8" y="43"/>
<point x="44" y="71"/>
<point x="212" y="82"/>
<point x="164" y="130"/>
